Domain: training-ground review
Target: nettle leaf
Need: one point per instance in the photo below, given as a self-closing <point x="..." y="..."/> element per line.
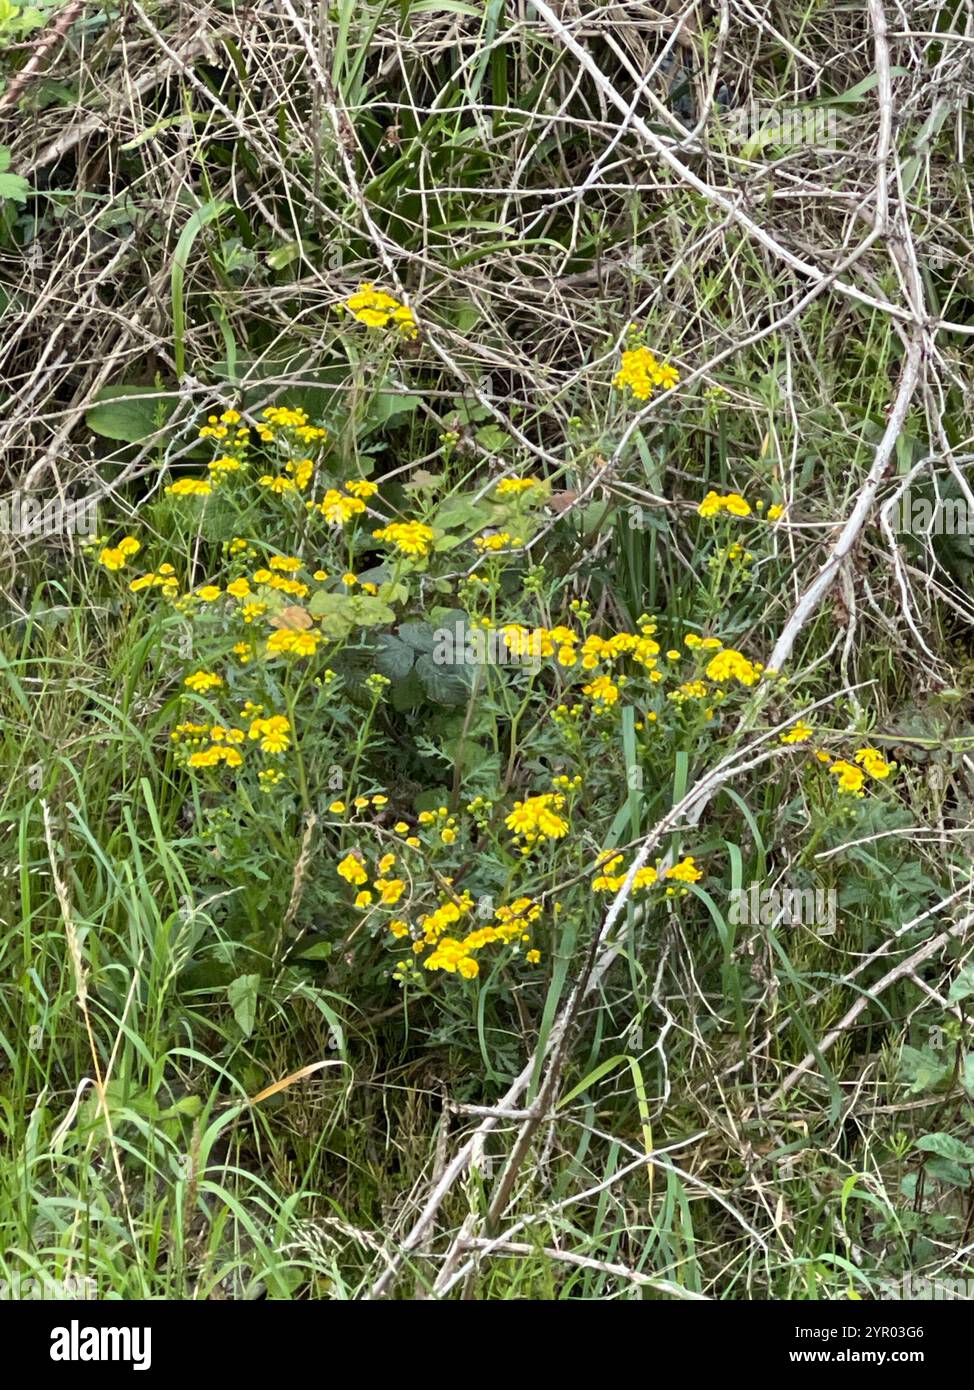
<point x="395" y="658"/>
<point x="129" y="413"/>
<point x="407" y="694"/>
<point x="946" y="1146"/>
<point x="419" y="636"/>
<point x="242" y="994"/>
<point x="12" y="186"/>
<point x="445" y="684"/>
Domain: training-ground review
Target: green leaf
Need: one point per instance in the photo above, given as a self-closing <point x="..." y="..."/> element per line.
<point x="963" y="986"/>
<point x="946" y="1146"/>
<point x="242" y="994"/>
<point x="129" y="413"/>
<point x="369" y="611"/>
<point x="321" y="950"/>
<point x="12" y="186"/>
<point x="209" y="212"/>
<point x="395" y="658"/>
<point x="419" y="636"/>
<point x="444" y="684"/>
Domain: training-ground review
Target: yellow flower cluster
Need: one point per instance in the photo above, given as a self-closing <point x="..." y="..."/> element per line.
<point x="273" y="732"/>
<point x="222" y="747"/>
<point x="499" y="540"/>
<point x="408" y="537"/>
<point x="115" y="557"/>
<point x="203" y="681"/>
<point x="337" y="508"/>
<point x="732" y="665"/>
<point x="291" y="421"/>
<point x="851" y="777"/>
<point x="735" y="505"/>
<point x="164" y="577"/>
<point x="713" y="504"/>
<point x="613" y="876"/>
<point x="641" y="373"/>
<point x="285" y="642"/>
<point x="511" y="923"/>
<point x="377" y="309"/>
<point x="538" y="818"/>
<point x="514" y="487"/>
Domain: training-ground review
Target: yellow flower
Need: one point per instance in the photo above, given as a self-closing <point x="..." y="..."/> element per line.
<point x="408" y="537"/>
<point x="641" y="373"/>
<point x="775" y="512"/>
<point x="336" y="508"/>
<point x="363" y="899"/>
<point x="352" y="870"/>
<point x="850" y="777"/>
<point x="202" y="681"/>
<point x="190" y="487"/>
<point x="798" y="733"/>
<point x="603" y="690"/>
<point x="337" y="808"/>
<point x="273" y="733"/>
<point x="533" y="957"/>
<point x="685" y="871"/>
<point x="209" y="593"/>
<point x="284" y="642"/>
<point x="361" y="487"/>
<point x="733" y="503"/>
<point x="390" y="890"/>
<point x="874" y="763"/>
<point x="513" y="487"/>
<point x="377" y="309"/>
<point x="286" y="564"/>
<point x="537" y="818"/>
<point x="239" y="588"/>
<point x="732" y="665"/>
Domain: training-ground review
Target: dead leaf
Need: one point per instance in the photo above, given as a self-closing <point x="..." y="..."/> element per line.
<point x="286" y="1081"/>
<point x="295" y="618"/>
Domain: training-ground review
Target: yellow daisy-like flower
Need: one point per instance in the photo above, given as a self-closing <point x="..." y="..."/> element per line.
<point x="872" y="760"/>
<point x="202" y="681"/>
<point x="190" y="487"/>
<point x="351" y="869"/>
<point x="850" y="777"/>
<point x="641" y="373"/>
<point x="798" y="733"/>
<point x="408" y="537"/>
<point x="361" y="487"/>
<point x="732" y="665"/>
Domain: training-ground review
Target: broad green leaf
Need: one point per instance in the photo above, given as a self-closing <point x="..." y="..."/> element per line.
<point x="242" y="994"/>
<point x="129" y="413"/>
